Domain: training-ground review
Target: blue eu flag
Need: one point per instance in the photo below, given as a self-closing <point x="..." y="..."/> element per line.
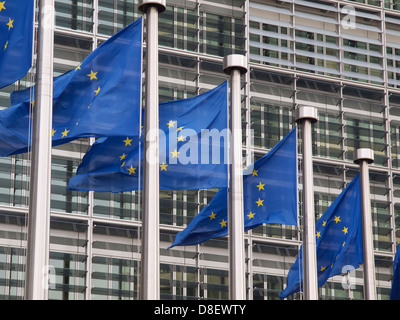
<point x="16" y="37"/>
<point x="100" y="97"/>
<point x="193" y="135"/>
<point x="395" y="292"/>
<point x="338" y="240"/>
<point x="269" y="196"/>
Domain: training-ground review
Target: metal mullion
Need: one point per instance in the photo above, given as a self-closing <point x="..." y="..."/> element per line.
<point x="84" y="17"/>
<point x="174" y="280"/>
<point x="342" y="123"/>
<point x="339" y="40"/>
<point x="389" y="183"/>
<point x="249" y="264"/>
<point x="249" y="144"/>
<point x="184" y="281"/>
<point x="109" y="276"/>
<point x="174" y="210"/>
<point x="198" y="250"/>
<point x="8" y="278"/>
<point x="247" y="91"/>
<point x="262" y="133"/>
<point x="198" y="4"/>
<point x="25" y="177"/>
<point x="175" y="26"/>
<point x="12" y="177"/>
<point x="89" y="264"/>
<point x="184" y="202"/>
<point x="132" y="280"/>
<point x="293" y="30"/>
<point x="75" y="273"/>
<point x="115" y="14"/>
<point x="21" y="274"/>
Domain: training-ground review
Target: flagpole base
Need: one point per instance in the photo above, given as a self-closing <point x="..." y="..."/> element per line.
<point x="160" y="4"/>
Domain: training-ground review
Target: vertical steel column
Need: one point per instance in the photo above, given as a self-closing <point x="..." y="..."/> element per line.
<point x="150" y="255"/>
<point x="363" y="157"/>
<point x="235" y="65"/>
<point x="308" y="115"/>
<point x="36" y="280"/>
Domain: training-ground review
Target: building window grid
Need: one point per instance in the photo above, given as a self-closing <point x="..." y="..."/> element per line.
<point x="362" y="57"/>
<point x="74" y="15"/>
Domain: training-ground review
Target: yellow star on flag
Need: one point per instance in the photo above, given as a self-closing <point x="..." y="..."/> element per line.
<point x="322" y="269"/>
<point x="318" y="234"/>
<point x="345" y="230"/>
<point x="122" y="157"/>
<point x="127" y="141"/>
<point x="260" y="202"/>
<point x="179" y="129"/>
<point x="175" y="154"/>
<point x="78" y="67"/>
<point x="92" y="75"/>
<point x="163" y="166"/>
<point x="65" y="133"/>
<point x="337" y="219"/>
<point x="10" y="24"/>
<point x="261" y="186"/>
<point x="97" y="91"/>
<point x="212" y="216"/>
<point x="251" y="215"/>
<point x="131" y="170"/>
<point x="2" y="6"/>
<point x="181" y="138"/>
<point x="5" y="46"/>
<point x="53" y="132"/>
<point x="254" y="173"/>
<point x="223" y="223"/>
<point x="171" y="124"/>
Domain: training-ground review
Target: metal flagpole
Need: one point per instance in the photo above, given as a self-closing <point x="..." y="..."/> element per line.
<point x="363" y="157"/>
<point x="308" y="115"/>
<point x="36" y="280"/>
<point x="150" y="264"/>
<point x="235" y="65"/>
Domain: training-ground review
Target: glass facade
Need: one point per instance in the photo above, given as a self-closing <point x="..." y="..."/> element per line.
<point x="342" y="57"/>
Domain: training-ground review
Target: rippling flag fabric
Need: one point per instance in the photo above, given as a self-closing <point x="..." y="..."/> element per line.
<point x="395" y="291"/>
<point x="193" y="152"/>
<point x="269" y="196"/>
<point x="16" y="38"/>
<point x="100" y="97"/>
<point x="338" y="240"/>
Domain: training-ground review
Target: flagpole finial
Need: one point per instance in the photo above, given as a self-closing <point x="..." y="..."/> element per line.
<point x="364" y="154"/>
<point x="160" y="4"/>
<point x="306" y="112"/>
<point x="235" y="61"/>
